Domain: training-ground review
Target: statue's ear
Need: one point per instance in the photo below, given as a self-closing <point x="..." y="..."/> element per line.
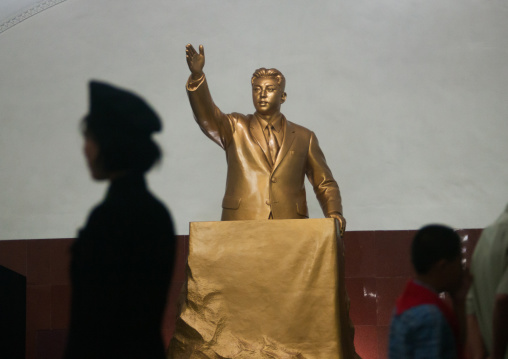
<point x="283" y="98"/>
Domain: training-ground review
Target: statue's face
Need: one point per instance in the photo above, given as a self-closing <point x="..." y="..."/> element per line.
<point x="267" y="95"/>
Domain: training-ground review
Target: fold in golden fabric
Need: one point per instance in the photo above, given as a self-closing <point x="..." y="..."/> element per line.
<point x="264" y="289"/>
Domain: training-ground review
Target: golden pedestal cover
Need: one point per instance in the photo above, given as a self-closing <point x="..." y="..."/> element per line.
<point x="264" y="289"/>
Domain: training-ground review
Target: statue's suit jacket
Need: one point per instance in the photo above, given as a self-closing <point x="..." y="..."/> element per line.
<point x="255" y="187"/>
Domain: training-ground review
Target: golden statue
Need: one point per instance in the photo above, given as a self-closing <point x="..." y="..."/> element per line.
<point x="268" y="156"/>
<point x="259" y="289"/>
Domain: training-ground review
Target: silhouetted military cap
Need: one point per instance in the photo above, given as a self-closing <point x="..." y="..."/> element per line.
<point x="122" y="110"/>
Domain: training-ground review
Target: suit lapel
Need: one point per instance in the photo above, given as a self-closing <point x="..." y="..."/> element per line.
<point x="257" y="133"/>
<point x="289" y="136"/>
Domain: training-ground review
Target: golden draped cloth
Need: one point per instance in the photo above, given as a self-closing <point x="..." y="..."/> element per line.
<point x="264" y="289"/>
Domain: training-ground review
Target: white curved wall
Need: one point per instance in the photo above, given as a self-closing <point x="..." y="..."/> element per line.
<point x="407" y="99"/>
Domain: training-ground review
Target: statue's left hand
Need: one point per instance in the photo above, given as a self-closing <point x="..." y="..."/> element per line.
<point x="342" y="222"/>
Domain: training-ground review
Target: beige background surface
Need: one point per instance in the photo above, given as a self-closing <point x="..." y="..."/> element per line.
<point x="407" y="98"/>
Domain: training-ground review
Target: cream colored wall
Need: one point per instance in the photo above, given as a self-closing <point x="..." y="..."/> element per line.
<point x="407" y="98"/>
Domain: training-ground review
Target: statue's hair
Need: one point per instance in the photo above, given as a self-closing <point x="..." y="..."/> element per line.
<point x="274" y="73"/>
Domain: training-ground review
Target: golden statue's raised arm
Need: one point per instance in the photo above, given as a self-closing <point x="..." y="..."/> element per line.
<point x="208" y="116"/>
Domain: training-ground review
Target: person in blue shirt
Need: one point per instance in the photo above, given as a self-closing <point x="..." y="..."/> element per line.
<point x="423" y="324"/>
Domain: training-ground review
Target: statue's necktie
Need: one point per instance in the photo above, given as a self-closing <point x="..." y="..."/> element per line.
<point x="273" y="145"/>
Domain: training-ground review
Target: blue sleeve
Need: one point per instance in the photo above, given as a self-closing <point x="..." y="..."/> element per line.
<point x="421" y="333"/>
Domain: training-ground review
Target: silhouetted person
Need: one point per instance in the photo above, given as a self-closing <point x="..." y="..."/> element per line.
<point x="424" y="325"/>
<point x="123" y="258"/>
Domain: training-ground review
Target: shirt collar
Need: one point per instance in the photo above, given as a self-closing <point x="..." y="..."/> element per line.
<point x="277" y="124"/>
<point x="421" y="284"/>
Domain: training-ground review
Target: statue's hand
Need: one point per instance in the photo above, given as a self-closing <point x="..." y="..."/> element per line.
<point x="342" y="222"/>
<point x="195" y="61"/>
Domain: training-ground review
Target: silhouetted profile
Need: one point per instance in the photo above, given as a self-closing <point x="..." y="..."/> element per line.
<point x="123" y="258"/>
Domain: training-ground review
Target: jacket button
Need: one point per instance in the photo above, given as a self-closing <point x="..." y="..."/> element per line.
<point x="274" y="180"/>
<point x="267" y="202"/>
